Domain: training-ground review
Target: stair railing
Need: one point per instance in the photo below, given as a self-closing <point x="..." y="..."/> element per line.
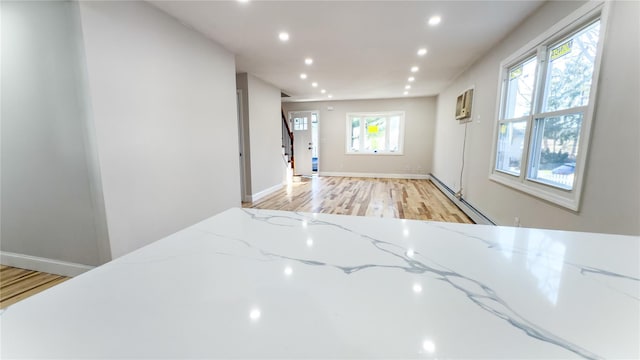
<point x="287" y="139"/>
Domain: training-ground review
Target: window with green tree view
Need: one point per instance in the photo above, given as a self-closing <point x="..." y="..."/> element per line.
<point x="375" y="133"/>
<point x="545" y="99"/>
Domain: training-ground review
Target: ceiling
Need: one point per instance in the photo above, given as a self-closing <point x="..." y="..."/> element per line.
<point x="360" y="49"/>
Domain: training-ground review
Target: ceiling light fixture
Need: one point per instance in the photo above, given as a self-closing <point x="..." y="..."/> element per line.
<point x="314" y="84"/>
<point x="283" y="36"/>
<point x="434" y="20"/>
<point x="411" y="79"/>
<point x="329" y="96"/>
<point x="414" y="69"/>
<point x="407" y="87"/>
<point x="243" y="1"/>
<point x="303" y="76"/>
<point x="422" y="52"/>
<point x="406" y="93"/>
<point x="323" y="91"/>
<point x="308" y="61"/>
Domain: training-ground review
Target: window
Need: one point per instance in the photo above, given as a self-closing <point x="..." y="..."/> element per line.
<point x="375" y="133"/>
<point x="300" y="123"/>
<point x="546" y="108"/>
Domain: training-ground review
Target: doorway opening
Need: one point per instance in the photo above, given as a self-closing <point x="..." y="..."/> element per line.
<point x="243" y="184"/>
<point x="314" y="141"/>
<point x="306" y="129"/>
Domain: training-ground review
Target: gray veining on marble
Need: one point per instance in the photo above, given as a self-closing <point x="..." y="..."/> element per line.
<point x="483" y="295"/>
<point x="473" y="292"/>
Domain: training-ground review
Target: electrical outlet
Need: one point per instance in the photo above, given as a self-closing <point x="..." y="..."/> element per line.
<point x="516" y="221"/>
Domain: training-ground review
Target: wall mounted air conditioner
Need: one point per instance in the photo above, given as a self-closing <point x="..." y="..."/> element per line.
<point x="463" y="105"/>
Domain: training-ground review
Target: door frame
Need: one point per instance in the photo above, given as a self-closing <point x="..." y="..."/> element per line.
<point x="241" y="147"/>
<point x="317" y="112"/>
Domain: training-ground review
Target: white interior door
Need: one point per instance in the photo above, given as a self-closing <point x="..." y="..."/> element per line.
<point x="241" y="146"/>
<point x="302" y="143"/>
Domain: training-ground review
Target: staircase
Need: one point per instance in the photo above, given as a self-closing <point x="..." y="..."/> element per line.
<point x="287" y="141"/>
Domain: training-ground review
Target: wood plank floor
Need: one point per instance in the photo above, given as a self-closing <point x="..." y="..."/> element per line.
<point x="394" y="198"/>
<point x="18" y="284"/>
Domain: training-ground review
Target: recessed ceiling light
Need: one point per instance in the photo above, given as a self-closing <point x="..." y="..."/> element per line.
<point x="406" y="93"/>
<point x="434" y="20"/>
<point x="303" y="76"/>
<point x="243" y="1"/>
<point x="414" y="69"/>
<point x="314" y="84"/>
<point x="329" y="96"/>
<point x="407" y="87"/>
<point x="323" y="91"/>
<point x="422" y="52"/>
<point x="308" y="61"/>
<point x="283" y="36"/>
<point x="411" y="79"/>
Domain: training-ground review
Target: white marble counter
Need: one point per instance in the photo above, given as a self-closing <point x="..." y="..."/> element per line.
<point x="269" y="284"/>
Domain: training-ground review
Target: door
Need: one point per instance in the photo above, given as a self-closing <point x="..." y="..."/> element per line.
<point x="241" y="146"/>
<point x="302" y="143"/>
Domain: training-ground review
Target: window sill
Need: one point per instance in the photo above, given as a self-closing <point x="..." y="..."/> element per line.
<point x="539" y="190"/>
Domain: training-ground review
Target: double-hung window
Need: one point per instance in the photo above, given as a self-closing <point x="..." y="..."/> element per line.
<point x="546" y="105"/>
<point x="375" y="133"/>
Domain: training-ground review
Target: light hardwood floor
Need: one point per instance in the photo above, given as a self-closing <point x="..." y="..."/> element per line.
<point x="18" y="284"/>
<point x="395" y="198"/>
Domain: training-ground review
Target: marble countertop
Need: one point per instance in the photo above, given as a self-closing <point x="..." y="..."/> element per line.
<point x="271" y="284"/>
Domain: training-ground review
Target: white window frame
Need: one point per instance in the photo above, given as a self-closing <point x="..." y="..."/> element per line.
<point x="569" y="199"/>
<point x="362" y="115"/>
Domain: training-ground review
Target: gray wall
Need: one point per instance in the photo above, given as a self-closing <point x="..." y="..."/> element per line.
<point x="418" y="141"/>
<point x="164" y="105"/>
<point x="51" y="205"/>
<point x="263" y="134"/>
<point x="611" y="191"/>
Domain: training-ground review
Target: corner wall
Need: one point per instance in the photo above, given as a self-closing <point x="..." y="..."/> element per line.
<point x="52" y="212"/>
<point x="263" y="135"/>
<point x="418" y="141"/>
<point x="611" y="191"/>
<point x="164" y="105"/>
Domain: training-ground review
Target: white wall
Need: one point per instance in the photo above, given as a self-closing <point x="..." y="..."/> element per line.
<point x="164" y="105"/>
<point x="611" y="191"/>
<point x="51" y="203"/>
<point x="418" y="141"/>
<point x="263" y="133"/>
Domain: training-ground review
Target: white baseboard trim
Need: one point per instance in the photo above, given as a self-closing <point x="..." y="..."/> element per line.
<point x="36" y="263"/>
<point x="259" y="195"/>
<point x="464" y="205"/>
<point x="376" y="175"/>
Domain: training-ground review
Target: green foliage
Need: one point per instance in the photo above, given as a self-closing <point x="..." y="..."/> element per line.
<point x="550" y="160"/>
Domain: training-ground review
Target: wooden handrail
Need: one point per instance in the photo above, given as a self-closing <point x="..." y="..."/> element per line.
<point x="286" y="124"/>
